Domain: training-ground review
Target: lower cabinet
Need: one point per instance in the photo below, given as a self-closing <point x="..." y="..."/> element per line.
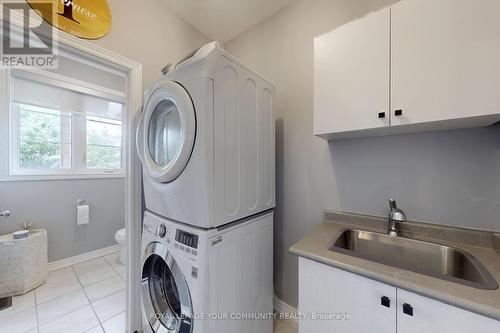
<point x="431" y="316"/>
<point x="332" y="300"/>
<point x="327" y="290"/>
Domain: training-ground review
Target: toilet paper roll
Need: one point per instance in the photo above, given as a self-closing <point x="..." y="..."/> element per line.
<point x="82" y="214"/>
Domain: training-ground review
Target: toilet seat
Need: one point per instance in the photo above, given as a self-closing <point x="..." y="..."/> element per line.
<point x="120" y="235"/>
<point x="120" y="238"/>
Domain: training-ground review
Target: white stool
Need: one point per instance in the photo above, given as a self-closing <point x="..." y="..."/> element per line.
<point x="23" y="263"/>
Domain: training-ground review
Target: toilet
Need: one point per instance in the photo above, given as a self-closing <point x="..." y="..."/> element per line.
<point x="120" y="238"/>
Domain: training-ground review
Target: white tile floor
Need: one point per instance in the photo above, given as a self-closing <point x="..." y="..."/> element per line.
<point x="88" y="297"/>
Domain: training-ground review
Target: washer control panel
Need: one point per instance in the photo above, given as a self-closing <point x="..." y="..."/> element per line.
<point x="186" y="238"/>
<point x="186" y="242"/>
<point x="182" y="242"/>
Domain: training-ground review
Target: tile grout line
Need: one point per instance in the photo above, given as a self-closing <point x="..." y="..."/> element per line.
<point x="55" y="298"/>
<point x="93" y="283"/>
<point x="58" y="317"/>
<point x="82" y="288"/>
<point x="114" y="277"/>
<point x="113" y="293"/>
<point x="35" y="307"/>
<point x="18" y="310"/>
<point x="90" y="303"/>
<point x="81" y="307"/>
<point x="90" y="329"/>
<point x="113" y="268"/>
<point x="52" y="299"/>
<point x="116" y="315"/>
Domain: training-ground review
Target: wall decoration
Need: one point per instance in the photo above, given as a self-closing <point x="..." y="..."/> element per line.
<point x="89" y="19"/>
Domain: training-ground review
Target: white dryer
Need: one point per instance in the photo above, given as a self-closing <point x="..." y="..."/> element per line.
<point x="204" y="281"/>
<point x="206" y="141"/>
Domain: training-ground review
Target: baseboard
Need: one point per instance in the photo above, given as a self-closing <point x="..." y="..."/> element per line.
<point x="82" y="257"/>
<point x="281" y="307"/>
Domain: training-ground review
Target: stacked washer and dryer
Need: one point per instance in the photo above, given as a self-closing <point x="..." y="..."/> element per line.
<point x="206" y="142"/>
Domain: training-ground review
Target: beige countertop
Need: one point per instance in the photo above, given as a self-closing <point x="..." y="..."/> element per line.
<point x="483" y="245"/>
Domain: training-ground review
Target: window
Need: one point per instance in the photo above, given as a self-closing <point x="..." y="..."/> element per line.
<point x="44" y="138"/>
<point x="58" y="128"/>
<point x="104" y="141"/>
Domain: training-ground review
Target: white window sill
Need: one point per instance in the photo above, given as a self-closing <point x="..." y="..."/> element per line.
<point x="15" y="178"/>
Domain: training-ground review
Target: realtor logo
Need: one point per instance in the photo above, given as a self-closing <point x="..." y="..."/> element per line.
<point x="26" y="40"/>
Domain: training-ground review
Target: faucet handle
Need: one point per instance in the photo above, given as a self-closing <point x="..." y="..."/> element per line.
<point x="393" y="204"/>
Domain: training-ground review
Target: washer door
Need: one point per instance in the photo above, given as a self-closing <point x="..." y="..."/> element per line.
<point x="165" y="294"/>
<point x="166" y="132"/>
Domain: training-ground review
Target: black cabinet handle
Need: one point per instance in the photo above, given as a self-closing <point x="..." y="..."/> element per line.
<point x="385" y="301"/>
<point x="381" y="115"/>
<point x="408" y="309"/>
<point x="398" y="113"/>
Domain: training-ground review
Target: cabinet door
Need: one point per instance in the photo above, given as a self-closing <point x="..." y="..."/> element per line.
<point x="327" y="290"/>
<point x="351" y="76"/>
<point x="445" y="60"/>
<point x="433" y="316"/>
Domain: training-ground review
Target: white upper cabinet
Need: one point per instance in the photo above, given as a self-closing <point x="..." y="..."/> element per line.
<point x="351" y="76"/>
<point x="435" y="60"/>
<point x="445" y="60"/>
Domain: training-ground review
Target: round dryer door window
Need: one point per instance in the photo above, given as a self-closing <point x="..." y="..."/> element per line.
<point x="166" y="131"/>
<point x="165" y="294"/>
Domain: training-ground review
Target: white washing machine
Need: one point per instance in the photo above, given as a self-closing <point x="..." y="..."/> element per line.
<point x="203" y="281"/>
<point x="206" y="141"/>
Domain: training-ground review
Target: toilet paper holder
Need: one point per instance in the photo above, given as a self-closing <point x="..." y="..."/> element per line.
<point x="82" y="212"/>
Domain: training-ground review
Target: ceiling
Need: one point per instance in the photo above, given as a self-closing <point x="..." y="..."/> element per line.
<point x="223" y="20"/>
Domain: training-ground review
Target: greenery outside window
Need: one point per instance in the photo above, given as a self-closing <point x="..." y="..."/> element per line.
<point x="44" y="138"/>
<point x="59" y="131"/>
<point x="104" y="143"/>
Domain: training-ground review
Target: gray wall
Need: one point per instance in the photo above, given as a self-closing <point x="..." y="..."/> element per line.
<point x="52" y="205"/>
<point x="444" y="177"/>
<point x="149" y="34"/>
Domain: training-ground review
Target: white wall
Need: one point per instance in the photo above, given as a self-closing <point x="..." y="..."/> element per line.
<point x="148" y="33"/>
<point x="444" y="177"/>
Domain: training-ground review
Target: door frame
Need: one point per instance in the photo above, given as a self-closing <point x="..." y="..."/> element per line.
<point x="133" y="176"/>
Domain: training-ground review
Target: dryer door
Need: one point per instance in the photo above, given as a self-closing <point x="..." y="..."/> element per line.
<point x="166" y="131"/>
<point x="166" y="298"/>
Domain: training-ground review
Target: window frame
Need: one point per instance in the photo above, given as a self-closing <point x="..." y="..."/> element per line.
<point x="15" y="170"/>
<point x="10" y="171"/>
<point x="133" y="193"/>
<point x="122" y="146"/>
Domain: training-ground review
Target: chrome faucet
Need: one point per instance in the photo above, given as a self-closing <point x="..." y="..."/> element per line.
<point x="396" y="216"/>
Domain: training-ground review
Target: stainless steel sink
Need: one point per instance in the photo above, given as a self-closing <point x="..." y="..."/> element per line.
<point x="431" y="259"/>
